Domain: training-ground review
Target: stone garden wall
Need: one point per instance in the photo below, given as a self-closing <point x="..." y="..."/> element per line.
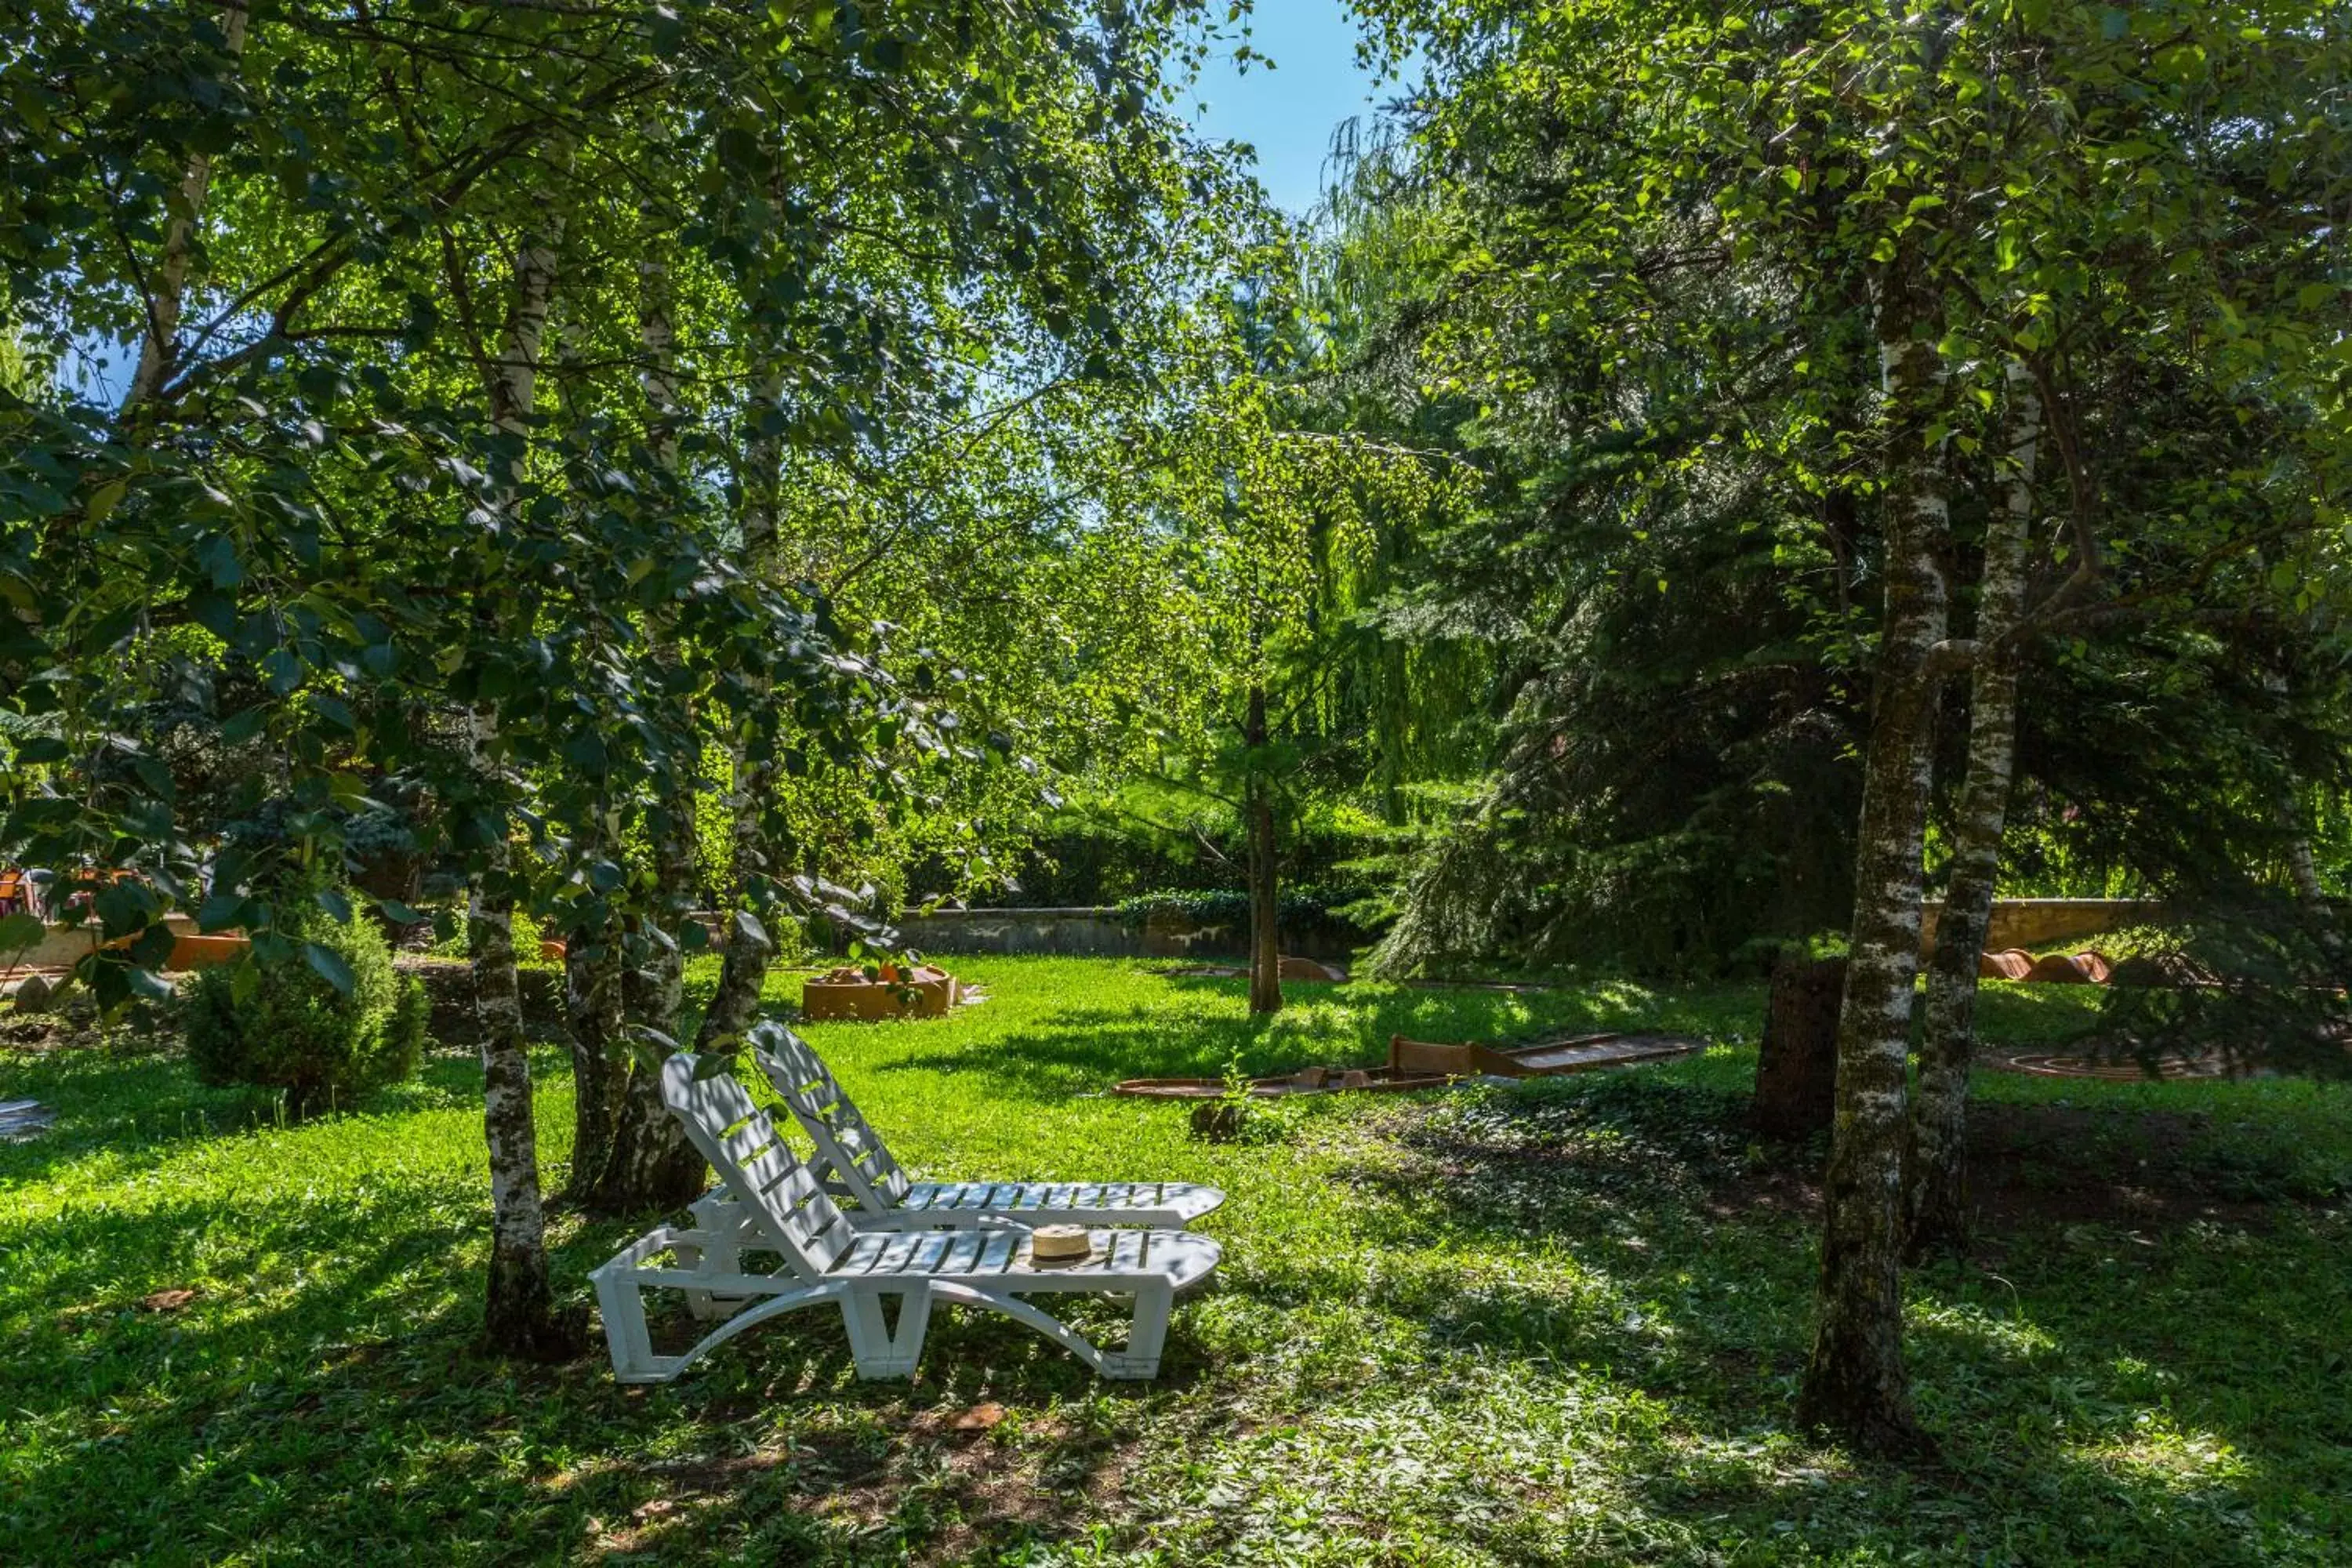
<point x="1098" y="933"/>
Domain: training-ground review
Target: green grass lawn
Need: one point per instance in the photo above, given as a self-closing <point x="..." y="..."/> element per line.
<point x="1560" y="1324"/>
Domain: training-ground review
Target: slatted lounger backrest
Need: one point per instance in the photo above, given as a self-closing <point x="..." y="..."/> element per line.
<point x="861" y="1161"/>
<point x="740" y="1139"/>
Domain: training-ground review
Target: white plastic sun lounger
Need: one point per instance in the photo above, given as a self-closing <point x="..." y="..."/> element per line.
<point x="860" y="1171"/>
<point x="825" y="1258"/>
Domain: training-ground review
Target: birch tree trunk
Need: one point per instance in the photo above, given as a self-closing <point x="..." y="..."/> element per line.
<point x="1796" y="1059"/>
<point x="1265" y="889"/>
<point x="2303" y="871"/>
<point x="1855" y="1382"/>
<point x="600" y="1059"/>
<point x="600" y="1056"/>
<point x="744" y="969"/>
<point x="652" y="1166"/>
<point x="520" y="1315"/>
<point x="159" y="345"/>
<point x="1936" y="1207"/>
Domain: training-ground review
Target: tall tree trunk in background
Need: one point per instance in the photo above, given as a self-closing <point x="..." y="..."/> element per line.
<point x="1796" y="1059"/>
<point x="2303" y="870"/>
<point x="744" y="969"/>
<point x="520" y="1315"/>
<point x="1854" y="1382"/>
<point x="600" y="1050"/>
<point x="2302" y="865"/>
<point x="600" y="1054"/>
<point x="1935" y="1191"/>
<point x="159" y="345"/>
<point x="592" y="950"/>
<point x="652" y="1166"/>
<point x="1265" y="904"/>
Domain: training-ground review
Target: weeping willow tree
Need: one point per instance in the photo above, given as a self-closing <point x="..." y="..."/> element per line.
<point x="1639" y="641"/>
<point x="1289" y="524"/>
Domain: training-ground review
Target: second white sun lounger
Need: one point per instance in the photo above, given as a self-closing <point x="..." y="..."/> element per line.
<point x="860" y="1171"/>
<point x="825" y="1259"/>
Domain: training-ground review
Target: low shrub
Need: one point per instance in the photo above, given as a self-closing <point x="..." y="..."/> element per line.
<point x="295" y="1029"/>
<point x="1300" y="906"/>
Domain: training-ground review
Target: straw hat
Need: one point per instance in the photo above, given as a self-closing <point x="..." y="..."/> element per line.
<point x="1052" y="1244"/>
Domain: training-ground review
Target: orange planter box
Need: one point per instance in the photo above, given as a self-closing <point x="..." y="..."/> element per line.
<point x="203" y="952"/>
<point x="929" y="994"/>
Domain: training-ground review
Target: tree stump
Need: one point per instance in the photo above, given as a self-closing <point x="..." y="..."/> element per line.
<point x="1796" y="1067"/>
<point x="1219" y="1120"/>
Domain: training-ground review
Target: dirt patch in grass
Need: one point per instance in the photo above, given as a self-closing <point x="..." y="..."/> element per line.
<point x="2030" y="1165"/>
<point x="948" y="1488"/>
<point x="924" y="1481"/>
<point x="2067" y="1165"/>
<point x="2044" y="1164"/>
<point x="73" y="1024"/>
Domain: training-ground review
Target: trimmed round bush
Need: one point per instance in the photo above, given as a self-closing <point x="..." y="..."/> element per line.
<point x="296" y="1030"/>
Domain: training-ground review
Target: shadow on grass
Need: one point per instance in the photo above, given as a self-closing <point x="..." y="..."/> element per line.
<point x="325" y="1393"/>
<point x="1085" y="1050"/>
<point x="139" y="1103"/>
<point x="1602" y="1247"/>
<point x="2142" y="1387"/>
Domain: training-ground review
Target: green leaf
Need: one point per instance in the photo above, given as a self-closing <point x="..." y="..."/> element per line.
<point x="19" y="931"/>
<point x="152" y="950"/>
<point x="331" y="966"/>
<point x="218" y="556"/>
<point x="749" y="929"/>
<point x="104" y="500"/>
<point x="220" y="912"/>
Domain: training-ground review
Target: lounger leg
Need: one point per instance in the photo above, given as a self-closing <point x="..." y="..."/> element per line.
<point x="716" y="1214"/>
<point x="880" y="1352"/>
<point x="622" y="1305"/>
<point x="1147" y="1333"/>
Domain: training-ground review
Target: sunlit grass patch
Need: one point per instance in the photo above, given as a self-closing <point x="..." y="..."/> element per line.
<point x="1561" y="1323"/>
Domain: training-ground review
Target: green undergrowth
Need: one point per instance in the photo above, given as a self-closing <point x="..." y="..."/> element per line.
<point x="1556" y="1324"/>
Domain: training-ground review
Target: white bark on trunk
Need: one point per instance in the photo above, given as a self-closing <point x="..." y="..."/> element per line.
<point x="520" y="1317"/>
<point x="1855" y="1381"/>
<point x="2303" y="870"/>
<point x="1936" y="1189"/>
<point x="745" y="969"/>
<point x="652" y="1166"/>
<point x="168" y="296"/>
<point x="661" y="989"/>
